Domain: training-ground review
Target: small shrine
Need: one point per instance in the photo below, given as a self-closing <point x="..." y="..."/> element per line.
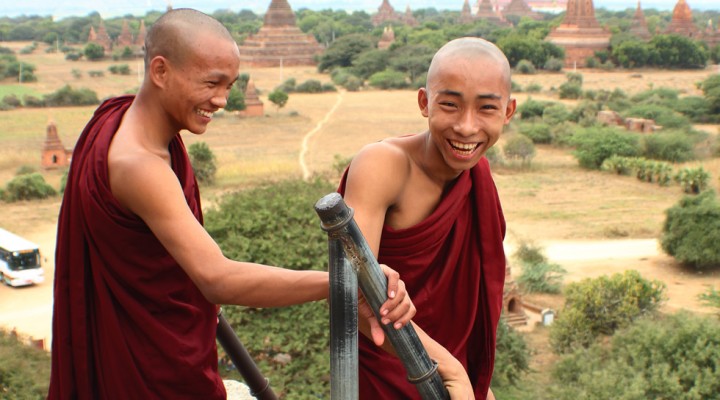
<point x="388" y="37"/>
<point x="580" y="34"/>
<point x="254" y="107"/>
<point x="638" y="26"/>
<point x="512" y="304"/>
<point x="279" y="42"/>
<point x="54" y="154"/>
<point x="682" y="21"/>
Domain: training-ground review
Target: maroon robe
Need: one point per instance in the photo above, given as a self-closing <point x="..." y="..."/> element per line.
<point x="453" y="266"/>
<point x="128" y="323"/>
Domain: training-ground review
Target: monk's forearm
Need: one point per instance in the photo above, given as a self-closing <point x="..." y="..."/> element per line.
<point x="256" y="285"/>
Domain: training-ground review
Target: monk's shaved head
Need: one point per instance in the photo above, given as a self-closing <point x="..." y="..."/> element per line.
<point x="172" y="35"/>
<point x="467" y="48"/>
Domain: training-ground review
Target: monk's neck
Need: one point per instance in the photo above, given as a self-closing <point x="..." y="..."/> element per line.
<point x="150" y="122"/>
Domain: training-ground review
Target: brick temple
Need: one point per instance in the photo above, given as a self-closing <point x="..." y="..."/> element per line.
<point x="54" y="155"/>
<point x="580" y="34"/>
<point x="519" y="9"/>
<point x="387" y="14"/>
<point x="487" y="10"/>
<point x="638" y="26"/>
<point x="682" y="21"/>
<point x="279" y="42"/>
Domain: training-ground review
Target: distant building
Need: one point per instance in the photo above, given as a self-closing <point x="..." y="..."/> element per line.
<point x="253" y="106"/>
<point x="54" y="155"/>
<point x="388" y="37"/>
<point x="638" y="26"/>
<point x="580" y="34"/>
<point x="682" y="21"/>
<point x="279" y="42"/>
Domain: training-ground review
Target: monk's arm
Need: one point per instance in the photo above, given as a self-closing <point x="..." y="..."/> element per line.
<point x="375" y="180"/>
<point x="150" y="189"/>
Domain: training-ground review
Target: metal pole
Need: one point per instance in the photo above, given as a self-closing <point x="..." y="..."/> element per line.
<point x="258" y="384"/>
<point x="337" y="220"/>
<point x="343" y="325"/>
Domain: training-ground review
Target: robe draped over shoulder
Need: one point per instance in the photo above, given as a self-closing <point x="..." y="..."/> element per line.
<point x="453" y="266"/>
<point x="128" y="323"/>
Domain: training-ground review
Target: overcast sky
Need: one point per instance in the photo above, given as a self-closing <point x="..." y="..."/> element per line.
<point x="114" y="8"/>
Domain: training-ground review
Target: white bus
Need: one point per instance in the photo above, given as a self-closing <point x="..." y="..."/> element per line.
<point x="19" y="260"/>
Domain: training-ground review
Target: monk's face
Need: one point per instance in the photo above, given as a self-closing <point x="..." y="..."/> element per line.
<point x="201" y="81"/>
<point x="467" y="103"/>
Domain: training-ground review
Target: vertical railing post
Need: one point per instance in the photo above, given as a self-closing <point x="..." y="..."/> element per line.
<point x="337" y="220"/>
<point x="343" y="325"/>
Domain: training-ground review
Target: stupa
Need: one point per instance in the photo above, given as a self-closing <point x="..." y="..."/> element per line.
<point x="638" y="25"/>
<point x="682" y="21"/>
<point x="101" y="37"/>
<point x="408" y="19"/>
<point x="486" y="10"/>
<point x="253" y="106"/>
<point x="54" y="154"/>
<point x="386" y="13"/>
<point x="142" y="32"/>
<point x="279" y="42"/>
<point x="125" y="39"/>
<point x="388" y="37"/>
<point x="519" y="9"/>
<point x="580" y="34"/>
<point x="466" y="16"/>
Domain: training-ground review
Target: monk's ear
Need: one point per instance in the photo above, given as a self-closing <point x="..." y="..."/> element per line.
<point x="159" y="71"/>
<point x="510" y="110"/>
<point x="423" y="101"/>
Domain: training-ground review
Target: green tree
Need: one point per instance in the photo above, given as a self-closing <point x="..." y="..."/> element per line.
<point x="675" y="51"/>
<point x="388" y="79"/>
<point x="24" y="370"/>
<point x="28" y="187"/>
<point x="202" y="160"/>
<point x="711" y="91"/>
<point x="344" y="51"/>
<point x="519" y="147"/>
<point x="593" y="145"/>
<point x="279" y="98"/>
<point x="370" y="62"/>
<point x="512" y="356"/>
<point x="691" y="231"/>
<point x="94" y="52"/>
<point x="236" y="100"/>
<point x="672" y="357"/>
<point x="631" y="54"/>
<point x="600" y="306"/>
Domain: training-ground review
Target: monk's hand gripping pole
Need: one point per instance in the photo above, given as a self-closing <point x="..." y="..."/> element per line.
<point x="337" y="221"/>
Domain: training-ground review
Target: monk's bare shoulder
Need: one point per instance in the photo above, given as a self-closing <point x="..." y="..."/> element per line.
<point x="382" y="168"/>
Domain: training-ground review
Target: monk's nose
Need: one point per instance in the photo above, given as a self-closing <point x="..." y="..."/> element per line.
<point x="467" y="124"/>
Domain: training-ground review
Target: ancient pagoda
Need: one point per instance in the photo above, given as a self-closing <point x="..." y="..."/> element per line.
<point x="100" y="37"/>
<point x="54" y="154"/>
<point x="142" y="32"/>
<point x="408" y="19"/>
<point x="486" y="10"/>
<point x="580" y="34"/>
<point x="253" y="106"/>
<point x="125" y="39"/>
<point x="279" y="42"/>
<point x="711" y="36"/>
<point x="682" y="21"/>
<point x="638" y="26"/>
<point x="388" y="37"/>
<point x="466" y="16"/>
<point x="519" y="9"/>
<point x="386" y="13"/>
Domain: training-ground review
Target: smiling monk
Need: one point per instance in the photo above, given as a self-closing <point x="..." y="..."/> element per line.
<point x="428" y="207"/>
<point x="137" y="276"/>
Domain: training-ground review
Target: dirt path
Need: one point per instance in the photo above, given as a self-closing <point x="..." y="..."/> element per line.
<point x="309" y="135"/>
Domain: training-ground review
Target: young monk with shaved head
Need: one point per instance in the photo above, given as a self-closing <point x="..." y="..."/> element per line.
<point x="428" y="207"/>
<point x="137" y="278"/>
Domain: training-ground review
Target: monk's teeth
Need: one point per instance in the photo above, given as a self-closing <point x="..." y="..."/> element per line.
<point x="463" y="147"/>
<point x="204" y="113"/>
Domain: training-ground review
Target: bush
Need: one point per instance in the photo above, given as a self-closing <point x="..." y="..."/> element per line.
<point x="594" y="145"/>
<point x="662" y="115"/>
<point x="553" y="65"/>
<point x="538" y="274"/>
<point x="94" y="52"/>
<point x="388" y="79"/>
<point x="525" y="67"/>
<point x="310" y="86"/>
<point x="24" y="370"/>
<point x="27" y="187"/>
<point x="555" y="114"/>
<point x="67" y="96"/>
<point x="570" y="90"/>
<point x="276" y="225"/>
<point x="96" y="74"/>
<point x="600" y="306"/>
<point x="73" y="56"/>
<point x="493" y="156"/>
<point x="279" y="98"/>
<point x="692" y="180"/>
<point x="691" y="231"/>
<point x="533" y="88"/>
<point x="532" y="108"/>
<point x="11" y="101"/>
<point x="120" y="69"/>
<point x="537" y="132"/>
<point x="519" y="147"/>
<point x="592" y="62"/>
<point x="236" y="100"/>
<point x="673" y="357"/>
<point x="203" y="162"/>
<point x="512" y="356"/>
<point x="32" y="101"/>
<point x="671" y="146"/>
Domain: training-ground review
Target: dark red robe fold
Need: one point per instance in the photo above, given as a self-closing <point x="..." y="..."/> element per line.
<point x="128" y="323"/>
<point x="453" y="265"/>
